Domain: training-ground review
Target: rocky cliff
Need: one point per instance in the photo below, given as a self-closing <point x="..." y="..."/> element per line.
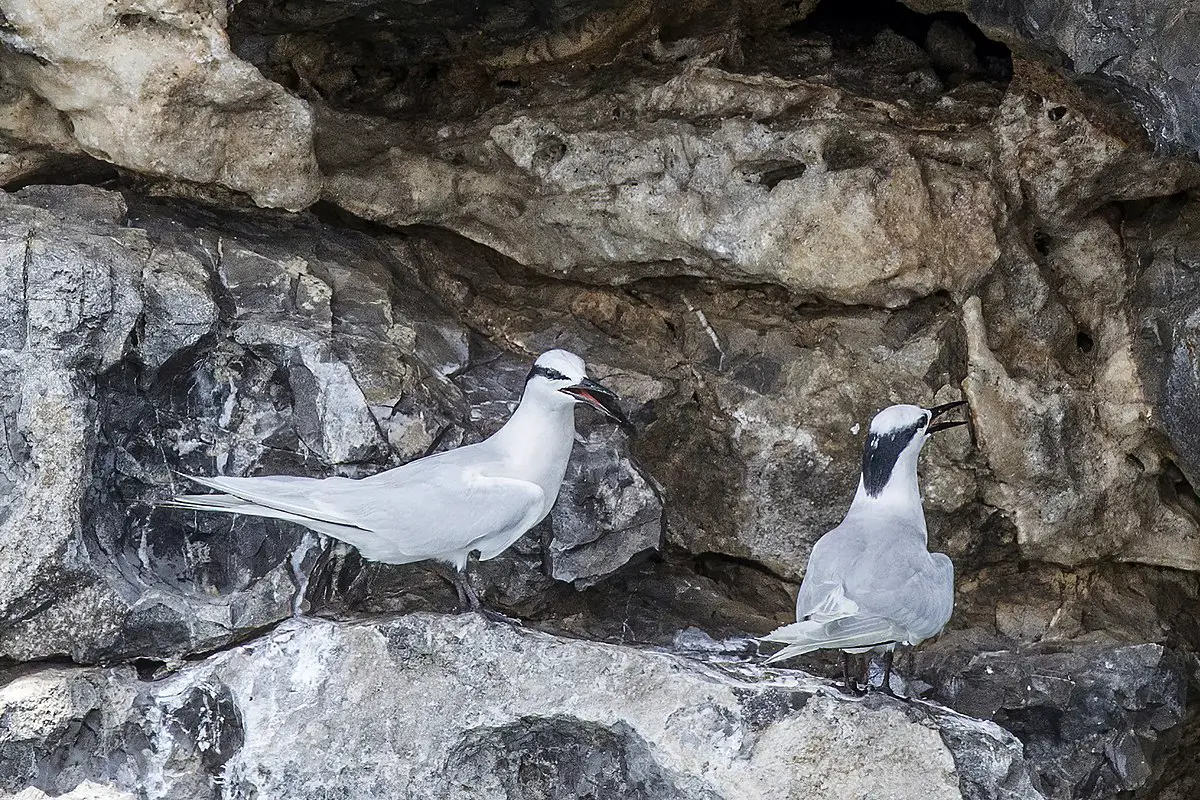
<point x="324" y="238"/>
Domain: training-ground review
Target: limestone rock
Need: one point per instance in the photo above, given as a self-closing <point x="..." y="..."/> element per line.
<point x="1094" y="720"/>
<point x="110" y="351"/>
<point x="457" y="708"/>
<point x="153" y="87"/>
<point x="70" y="289"/>
<point x="1145" y="49"/>
<point x="731" y="194"/>
<point x="84" y="791"/>
<point x="759" y="222"/>
<point x="216" y="344"/>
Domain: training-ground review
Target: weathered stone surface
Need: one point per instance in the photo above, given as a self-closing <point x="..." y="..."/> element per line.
<point x="35" y="140"/>
<point x="70" y="287"/>
<point x="221" y="344"/>
<point x="759" y="224"/>
<point x="1093" y="720"/>
<point x="457" y="708"/>
<point x="86" y="790"/>
<point x="1163" y="239"/>
<point x="1147" y="50"/>
<point x="1058" y="400"/>
<point x="732" y="193"/>
<point x="110" y="354"/>
<point x="154" y="87"/>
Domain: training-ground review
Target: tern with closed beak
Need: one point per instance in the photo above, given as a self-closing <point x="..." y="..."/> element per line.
<point x="482" y="497"/>
<point x="871" y="582"/>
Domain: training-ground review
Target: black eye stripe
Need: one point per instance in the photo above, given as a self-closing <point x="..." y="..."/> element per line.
<point x="880" y="455"/>
<point x="545" y="372"/>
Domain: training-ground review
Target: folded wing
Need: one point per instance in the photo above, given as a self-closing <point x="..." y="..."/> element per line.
<point x="856" y="596"/>
<point x="437" y="509"/>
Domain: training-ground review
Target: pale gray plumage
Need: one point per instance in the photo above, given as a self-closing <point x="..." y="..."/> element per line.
<point x="481" y="497"/>
<point x="871" y="582"/>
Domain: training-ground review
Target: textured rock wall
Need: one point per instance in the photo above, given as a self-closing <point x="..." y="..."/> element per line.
<point x="476" y="710"/>
<point x="759" y="222"/>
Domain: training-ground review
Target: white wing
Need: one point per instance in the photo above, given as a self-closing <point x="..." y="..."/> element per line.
<point x="866" y="587"/>
<point x="436" y="507"/>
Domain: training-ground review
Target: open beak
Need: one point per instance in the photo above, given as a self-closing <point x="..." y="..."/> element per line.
<point x="937" y="411"/>
<point x="599" y="397"/>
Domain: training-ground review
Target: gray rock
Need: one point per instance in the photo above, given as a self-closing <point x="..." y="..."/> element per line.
<point x="153" y="87"/>
<point x="850" y="212"/>
<point x="1146" y="50"/>
<point x="131" y="352"/>
<point x="459" y="708"/>
<point x="225" y="344"/>
<point x="727" y="195"/>
<point x="608" y="511"/>
<point x="1094" y="721"/>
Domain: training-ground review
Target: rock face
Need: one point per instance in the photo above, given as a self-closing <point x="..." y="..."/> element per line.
<point x="759" y="223"/>
<point x="785" y="193"/>
<point x="457" y="708"/>
<point x="1119" y="706"/>
<point x="1146" y="50"/>
<point x="204" y="349"/>
<point x="153" y="87"/>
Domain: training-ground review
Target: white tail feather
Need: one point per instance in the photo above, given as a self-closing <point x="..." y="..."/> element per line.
<point x="842" y="634"/>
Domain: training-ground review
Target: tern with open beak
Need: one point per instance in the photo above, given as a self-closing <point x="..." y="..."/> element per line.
<point x="871" y="582"/>
<point x="482" y="497"/>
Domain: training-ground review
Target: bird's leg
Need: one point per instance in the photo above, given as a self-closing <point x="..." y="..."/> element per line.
<point x="851" y="684"/>
<point x="316" y="575"/>
<point x="360" y="585"/>
<point x="886" y="686"/>
<point x="456" y="577"/>
<point x="460" y="583"/>
<point x="467" y="592"/>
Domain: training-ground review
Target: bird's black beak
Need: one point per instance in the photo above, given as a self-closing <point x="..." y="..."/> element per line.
<point x="937" y="411"/>
<point x="599" y="397"/>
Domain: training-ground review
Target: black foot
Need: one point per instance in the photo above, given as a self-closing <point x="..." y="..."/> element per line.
<point x="468" y="600"/>
<point x="496" y="616"/>
<point x="459" y="581"/>
<point x="885" y="685"/>
<point x="851" y="685"/>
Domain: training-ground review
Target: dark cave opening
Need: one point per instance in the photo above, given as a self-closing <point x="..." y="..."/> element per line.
<point x="945" y="35"/>
<point x="955" y="44"/>
<point x="881" y="49"/>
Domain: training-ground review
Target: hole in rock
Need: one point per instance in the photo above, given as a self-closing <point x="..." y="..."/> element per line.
<point x="888" y="36"/>
<point x="1056" y="113"/>
<point x="384" y="59"/>
<point x="561" y="757"/>
<point x="147" y="667"/>
<point x="1177" y="492"/>
<point x="844" y="151"/>
<point x="132" y="20"/>
<point x="1042" y="243"/>
<point x="1084" y="341"/>
<point x="773" y="173"/>
<point x="65" y="171"/>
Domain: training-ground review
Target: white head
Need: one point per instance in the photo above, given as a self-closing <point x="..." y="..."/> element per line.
<point x="894" y="441"/>
<point x="559" y="379"/>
